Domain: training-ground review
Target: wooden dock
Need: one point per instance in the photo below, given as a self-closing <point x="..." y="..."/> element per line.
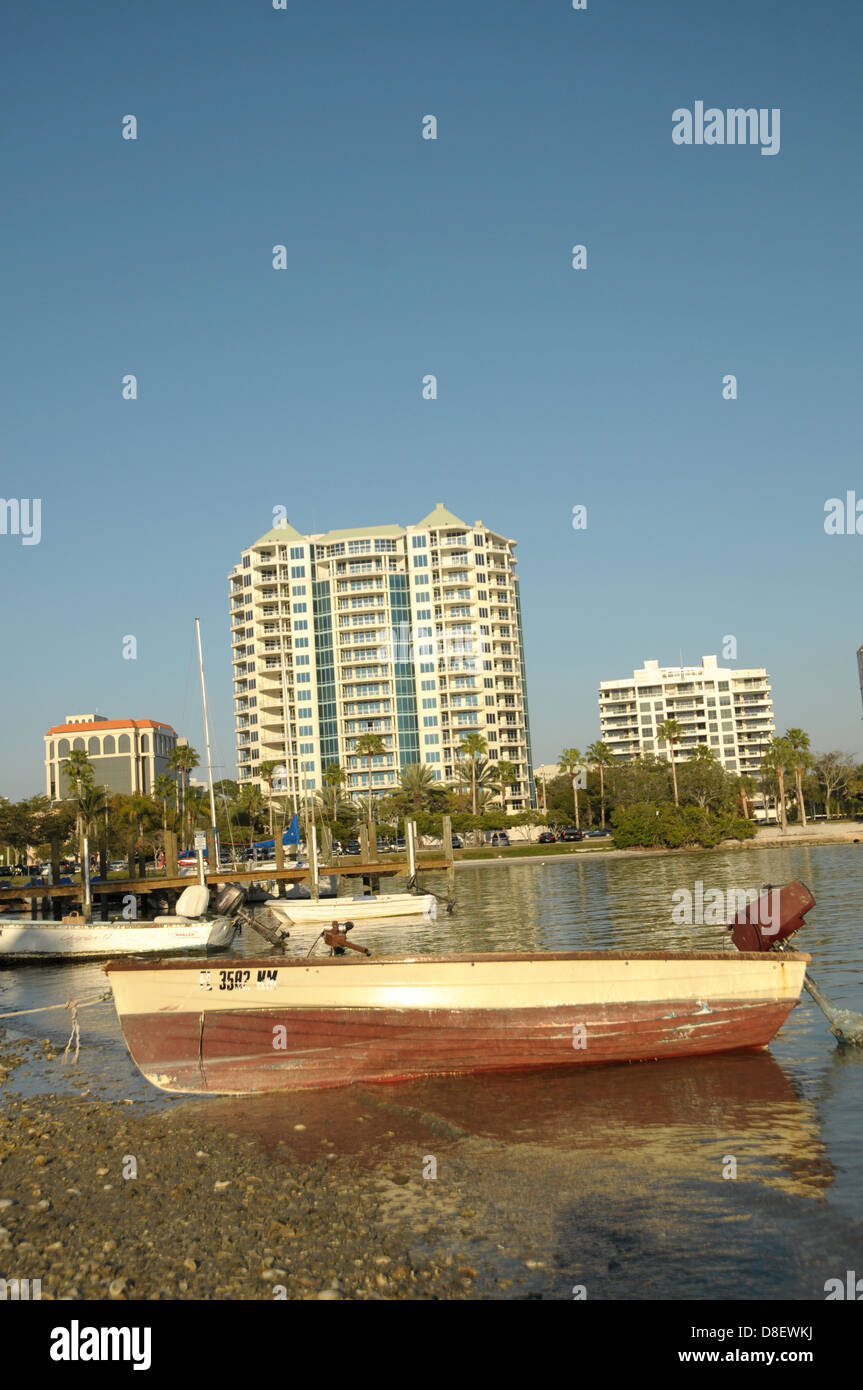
<point x="371" y="868"/>
<point x="141" y="887"/>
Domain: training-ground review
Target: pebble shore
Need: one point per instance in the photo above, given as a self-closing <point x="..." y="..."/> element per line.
<point x="209" y="1215"/>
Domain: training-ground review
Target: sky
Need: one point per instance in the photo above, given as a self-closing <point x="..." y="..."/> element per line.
<point x="600" y="387"/>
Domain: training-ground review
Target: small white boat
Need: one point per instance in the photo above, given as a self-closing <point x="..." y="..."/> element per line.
<point x="298" y="912"/>
<point x="74" y="939"/>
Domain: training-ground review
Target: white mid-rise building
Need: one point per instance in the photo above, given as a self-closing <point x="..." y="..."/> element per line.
<point x="413" y="633"/>
<point x="730" y="711"/>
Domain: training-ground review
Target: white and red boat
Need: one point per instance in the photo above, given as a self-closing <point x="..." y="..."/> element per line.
<point x="269" y="1024"/>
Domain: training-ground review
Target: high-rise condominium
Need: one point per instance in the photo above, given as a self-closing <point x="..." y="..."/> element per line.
<point x="412" y="633"/>
<point x="728" y="711"/>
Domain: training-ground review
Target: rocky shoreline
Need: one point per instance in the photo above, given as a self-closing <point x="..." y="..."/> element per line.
<point x="100" y="1201"/>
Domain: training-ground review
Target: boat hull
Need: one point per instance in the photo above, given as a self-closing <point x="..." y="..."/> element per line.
<point x="255" y="1026"/>
<point x="299" y="912"/>
<point x="35" y="941"/>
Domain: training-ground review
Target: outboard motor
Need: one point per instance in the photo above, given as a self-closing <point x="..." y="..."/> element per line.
<point x="775" y="914"/>
<point x="227" y="900"/>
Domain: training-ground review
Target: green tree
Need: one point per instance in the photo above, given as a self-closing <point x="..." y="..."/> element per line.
<point x="162" y="789"/>
<point x="472" y="746"/>
<point x="835" y="773"/>
<point x="703" y="779"/>
<point x="335" y="778"/>
<point x="798" y="742"/>
<point x="266" y="771"/>
<point x="182" y="759"/>
<point x="672" y="732"/>
<point x="505" y="773"/>
<point x="78" y="770"/>
<point x="775" y="760"/>
<point x="570" y="761"/>
<point x="602" y="757"/>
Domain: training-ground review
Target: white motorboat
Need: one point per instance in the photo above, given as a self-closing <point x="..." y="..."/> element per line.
<point x="188" y="929"/>
<point x="298" y="912"/>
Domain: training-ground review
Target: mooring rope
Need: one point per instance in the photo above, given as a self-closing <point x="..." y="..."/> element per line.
<point x="74" y="1005"/>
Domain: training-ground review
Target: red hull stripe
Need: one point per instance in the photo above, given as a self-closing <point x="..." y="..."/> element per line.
<point x="293" y="1049"/>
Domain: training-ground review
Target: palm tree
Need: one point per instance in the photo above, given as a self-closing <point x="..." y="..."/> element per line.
<point x="197" y="808"/>
<point x="78" y="772"/>
<point x="602" y="757"/>
<point x="265" y="772"/>
<point x="136" y="809"/>
<point x="90" y="804"/>
<point x="417" y="781"/>
<point x="182" y="759"/>
<point x="335" y="778"/>
<point x="672" y="732"/>
<point x="471" y="746"/>
<point x="775" y="760"/>
<point x="505" y="773"/>
<point x="370" y="746"/>
<point x="162" y="788"/>
<point x="251" y="801"/>
<point x="569" y="762"/>
<point x="798" y="742"/>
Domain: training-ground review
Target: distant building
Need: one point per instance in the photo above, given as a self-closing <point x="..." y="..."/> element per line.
<point x="729" y="711"/>
<point x="127" y="755"/>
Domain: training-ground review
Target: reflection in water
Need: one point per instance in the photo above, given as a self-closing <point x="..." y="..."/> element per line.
<point x="681" y="1120"/>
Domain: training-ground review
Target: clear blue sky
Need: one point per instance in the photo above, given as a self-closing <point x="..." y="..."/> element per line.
<point x="406" y="256"/>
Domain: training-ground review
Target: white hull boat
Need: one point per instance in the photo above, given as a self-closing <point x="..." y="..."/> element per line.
<point x="62" y="941"/>
<point x="76" y="939"/>
<point x="299" y="912"/>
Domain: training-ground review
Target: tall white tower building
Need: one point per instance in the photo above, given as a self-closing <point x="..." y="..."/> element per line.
<point x="413" y="633"/>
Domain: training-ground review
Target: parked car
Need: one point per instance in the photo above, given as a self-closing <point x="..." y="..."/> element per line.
<point x="570" y="834"/>
<point x="596" y="834"/>
<point x="546" y="838"/>
<point x="352" y="847"/>
<point x="457" y="842"/>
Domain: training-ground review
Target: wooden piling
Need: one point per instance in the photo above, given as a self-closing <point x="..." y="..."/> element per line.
<point x="313" y="862"/>
<point x="450" y="857"/>
<point x="170" y="854"/>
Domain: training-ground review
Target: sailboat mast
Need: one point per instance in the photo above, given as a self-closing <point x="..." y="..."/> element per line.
<point x="214" y="868"/>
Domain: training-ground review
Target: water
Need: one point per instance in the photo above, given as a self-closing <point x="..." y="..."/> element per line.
<point x="626" y="1162"/>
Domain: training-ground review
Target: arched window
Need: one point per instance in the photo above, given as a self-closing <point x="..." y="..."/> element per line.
<point x="63" y="748"/>
<point x="51" y="749"/>
<point x="79" y="743"/>
<point x="145" y="743"/>
<point x="108" y="745"/>
<point x="123" y="744"/>
<point x="93" y="747"/>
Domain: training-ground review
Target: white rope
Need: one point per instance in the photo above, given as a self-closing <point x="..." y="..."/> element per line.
<point x="74" y="1005"/>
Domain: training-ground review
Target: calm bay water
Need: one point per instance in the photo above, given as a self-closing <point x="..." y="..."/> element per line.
<point x="612" y="1176"/>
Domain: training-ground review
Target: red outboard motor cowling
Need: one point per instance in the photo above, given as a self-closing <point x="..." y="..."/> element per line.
<point x="777" y="912"/>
